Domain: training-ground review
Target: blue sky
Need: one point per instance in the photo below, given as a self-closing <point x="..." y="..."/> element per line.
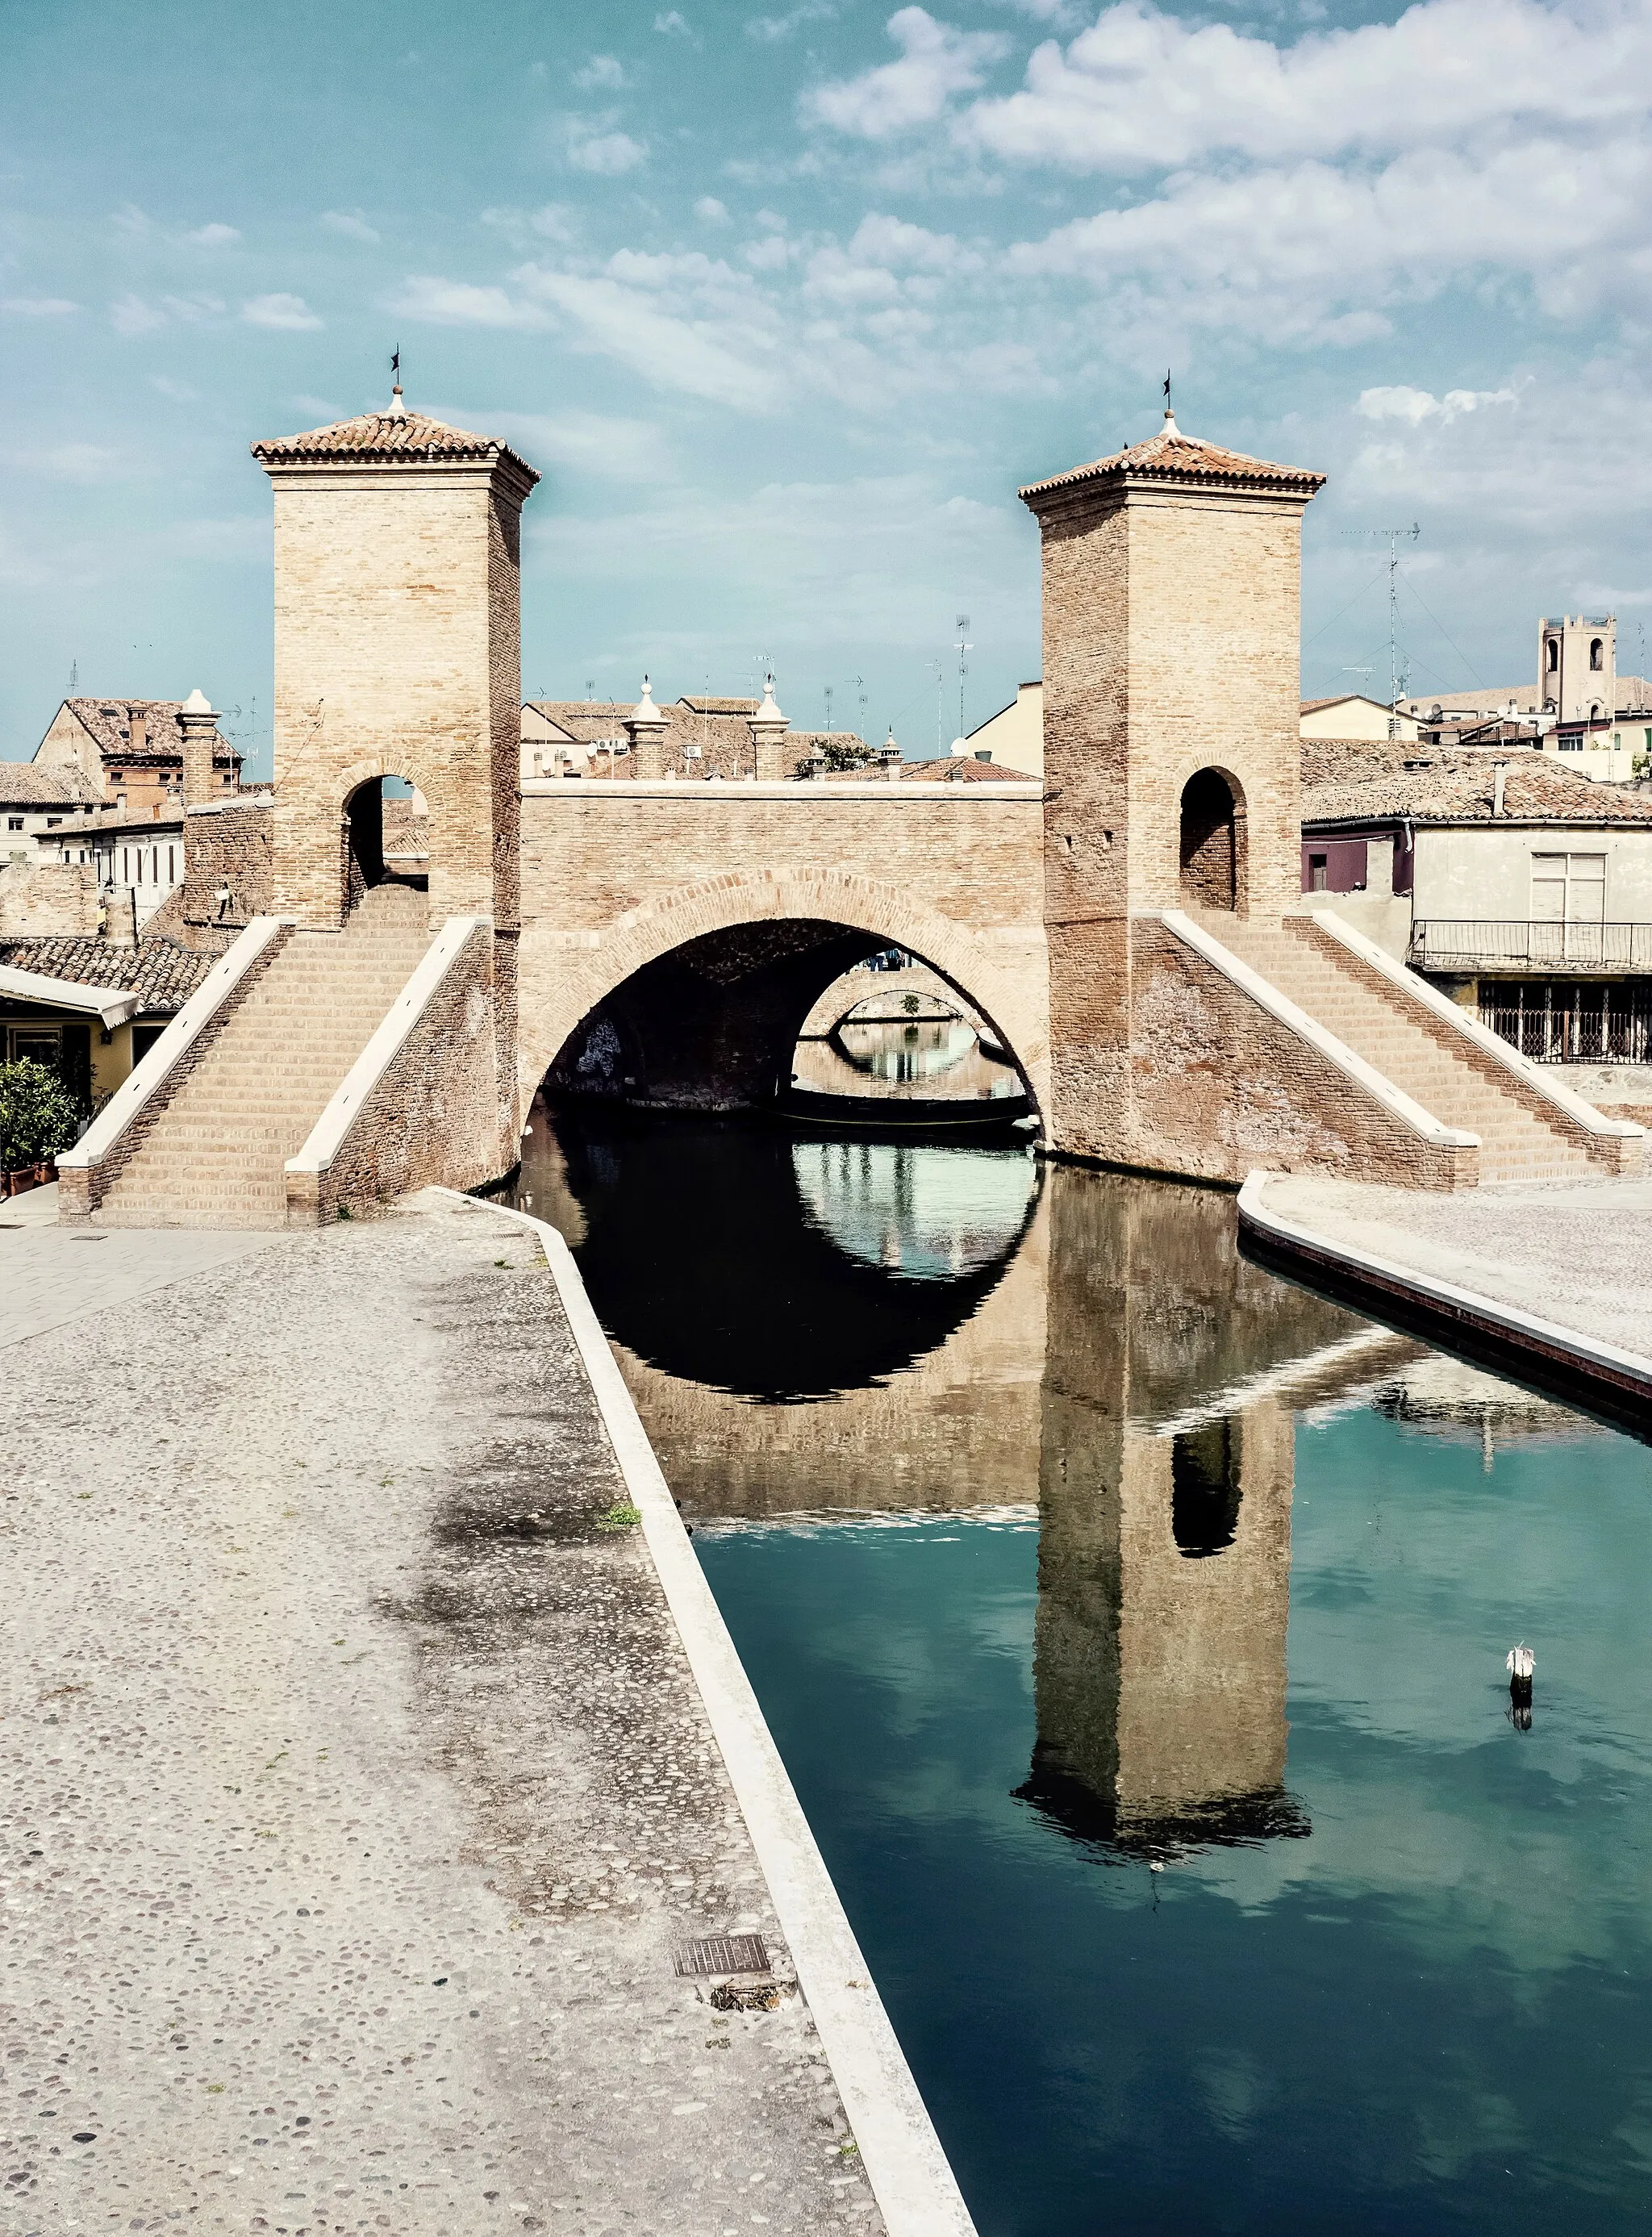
<point x="785" y="306"/>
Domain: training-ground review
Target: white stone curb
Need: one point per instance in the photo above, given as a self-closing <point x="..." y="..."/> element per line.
<point x="1399" y="974"/>
<point x="1624" y="1371"/>
<point x="1267" y="996"/>
<point x="146" y="1078"/>
<point x="326" y="1137"/>
<point x="914" y="2183"/>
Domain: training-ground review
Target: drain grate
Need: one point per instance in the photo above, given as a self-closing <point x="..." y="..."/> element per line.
<point x="724" y="1953"/>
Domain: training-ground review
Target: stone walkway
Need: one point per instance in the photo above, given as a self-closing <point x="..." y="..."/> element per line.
<point x="356" y="1794"/>
<point x="50" y="1275"/>
<point x="1575" y="1252"/>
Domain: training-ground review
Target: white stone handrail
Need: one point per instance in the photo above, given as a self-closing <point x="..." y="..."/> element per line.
<point x="326" y="1137"/>
<point x="153" y="1075"/>
<point x="1267" y="996"/>
<point x="1399" y="974"/>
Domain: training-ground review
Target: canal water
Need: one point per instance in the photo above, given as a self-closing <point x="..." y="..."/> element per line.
<point x="1132" y="1624"/>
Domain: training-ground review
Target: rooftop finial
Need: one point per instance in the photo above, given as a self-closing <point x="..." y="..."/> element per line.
<point x="1170" y="426"/>
<point x="397" y="409"/>
<point x="768" y="712"/>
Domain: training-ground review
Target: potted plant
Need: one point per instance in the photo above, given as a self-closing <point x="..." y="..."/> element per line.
<point x="38" y="1117"/>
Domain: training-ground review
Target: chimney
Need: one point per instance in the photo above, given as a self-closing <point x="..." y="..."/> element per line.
<point x="1500" y="771"/>
<point x="200" y="725"/>
<point x="646" y="727"/>
<point x="769" y="728"/>
<point x="138" y="741"/>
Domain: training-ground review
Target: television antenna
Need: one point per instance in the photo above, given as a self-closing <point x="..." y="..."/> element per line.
<point x="964" y="646"/>
<point x="939" y="666"/>
<point x="1398" y="677"/>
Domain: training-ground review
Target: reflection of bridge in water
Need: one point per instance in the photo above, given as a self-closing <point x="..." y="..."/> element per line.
<point x="816" y="1327"/>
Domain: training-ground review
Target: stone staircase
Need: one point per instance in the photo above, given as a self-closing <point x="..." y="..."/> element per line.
<point x="1422" y="1054"/>
<point x="215" y="1156"/>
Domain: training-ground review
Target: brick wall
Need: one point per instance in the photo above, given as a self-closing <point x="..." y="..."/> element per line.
<point x="397" y="654"/>
<point x="434" y="1116"/>
<point x="233" y="846"/>
<point x="616" y="877"/>
<point x="1215" y="1085"/>
<point x="1171" y="620"/>
<point x="49" y="899"/>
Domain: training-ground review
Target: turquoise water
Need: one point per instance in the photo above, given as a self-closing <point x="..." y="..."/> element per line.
<point x="1144" y="1689"/>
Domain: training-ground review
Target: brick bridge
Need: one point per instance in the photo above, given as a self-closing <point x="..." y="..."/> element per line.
<point x="1131" y="927"/>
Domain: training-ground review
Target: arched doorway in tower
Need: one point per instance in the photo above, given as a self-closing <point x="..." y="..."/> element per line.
<point x="1213" y="841"/>
<point x="386" y="826"/>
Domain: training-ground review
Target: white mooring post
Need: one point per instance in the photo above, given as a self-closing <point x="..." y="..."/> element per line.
<point x="1520" y="1663"/>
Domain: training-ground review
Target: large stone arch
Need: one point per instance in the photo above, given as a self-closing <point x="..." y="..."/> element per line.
<point x="564" y="974"/>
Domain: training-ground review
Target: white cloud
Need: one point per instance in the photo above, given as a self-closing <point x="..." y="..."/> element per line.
<point x="769" y="254"/>
<point x="1314" y="253"/>
<point x="891" y="240"/>
<point x="1413" y="405"/>
<point x="710" y="211"/>
<point x="1144" y="90"/>
<point x="683" y="322"/>
<point x="130" y="220"/>
<point x="351" y="224"/>
<point x="601" y="71"/>
<point x="671" y="25"/>
<point x="65" y="462"/>
<point x="605" y="155"/>
<point x="280" y="313"/>
<point x="179" y="390"/>
<point x="769" y="29"/>
<point x="214" y="236"/>
<point x="37" y="307"/>
<point x="588" y="442"/>
<point x="130" y="314"/>
<point x="440" y="302"/>
<point x="936" y="63"/>
<point x="554" y="221"/>
<point x="191" y="309"/>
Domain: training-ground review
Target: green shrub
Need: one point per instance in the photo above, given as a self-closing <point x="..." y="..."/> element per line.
<point x="38" y="1115"/>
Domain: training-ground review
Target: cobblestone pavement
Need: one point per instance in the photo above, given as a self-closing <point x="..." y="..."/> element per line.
<point x="50" y="1275"/>
<point x="355" y="1793"/>
<point x="1575" y="1252"/>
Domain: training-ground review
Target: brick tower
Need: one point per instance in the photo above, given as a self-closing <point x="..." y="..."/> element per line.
<point x="398" y="653"/>
<point x="1172" y="581"/>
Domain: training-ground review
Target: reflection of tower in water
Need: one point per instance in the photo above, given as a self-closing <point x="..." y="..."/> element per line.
<point x="1165" y="1522"/>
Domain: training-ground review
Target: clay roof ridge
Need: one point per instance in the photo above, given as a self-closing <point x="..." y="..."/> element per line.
<point x="1172" y="456"/>
<point x="393" y="434"/>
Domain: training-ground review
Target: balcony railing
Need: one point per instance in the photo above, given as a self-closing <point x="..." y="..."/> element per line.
<point x="1440" y="943"/>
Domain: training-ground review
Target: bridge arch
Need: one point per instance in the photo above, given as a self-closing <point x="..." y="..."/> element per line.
<point x="564" y="978"/>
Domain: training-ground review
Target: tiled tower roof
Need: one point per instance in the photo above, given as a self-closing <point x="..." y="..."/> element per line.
<point x="1173" y="457"/>
<point x="388" y="435"/>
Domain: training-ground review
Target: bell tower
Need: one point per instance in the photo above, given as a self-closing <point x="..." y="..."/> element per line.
<point x="1172" y="597"/>
<point x="397" y="654"/>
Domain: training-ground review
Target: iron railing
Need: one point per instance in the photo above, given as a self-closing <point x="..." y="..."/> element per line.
<point x="1561" y="1021"/>
<point x="1440" y="943"/>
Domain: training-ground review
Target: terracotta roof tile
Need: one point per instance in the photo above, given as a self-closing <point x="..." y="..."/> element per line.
<point x="31" y="784"/>
<point x="1365" y="781"/>
<point x="387" y="435"/>
<point x="963" y="769"/>
<point x="109" y="721"/>
<point x="162" y="973"/>
<point x="1172" y="456"/>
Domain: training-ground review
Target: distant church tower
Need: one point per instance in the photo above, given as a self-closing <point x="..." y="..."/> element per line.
<point x="398" y="653"/>
<point x="1577" y="667"/>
